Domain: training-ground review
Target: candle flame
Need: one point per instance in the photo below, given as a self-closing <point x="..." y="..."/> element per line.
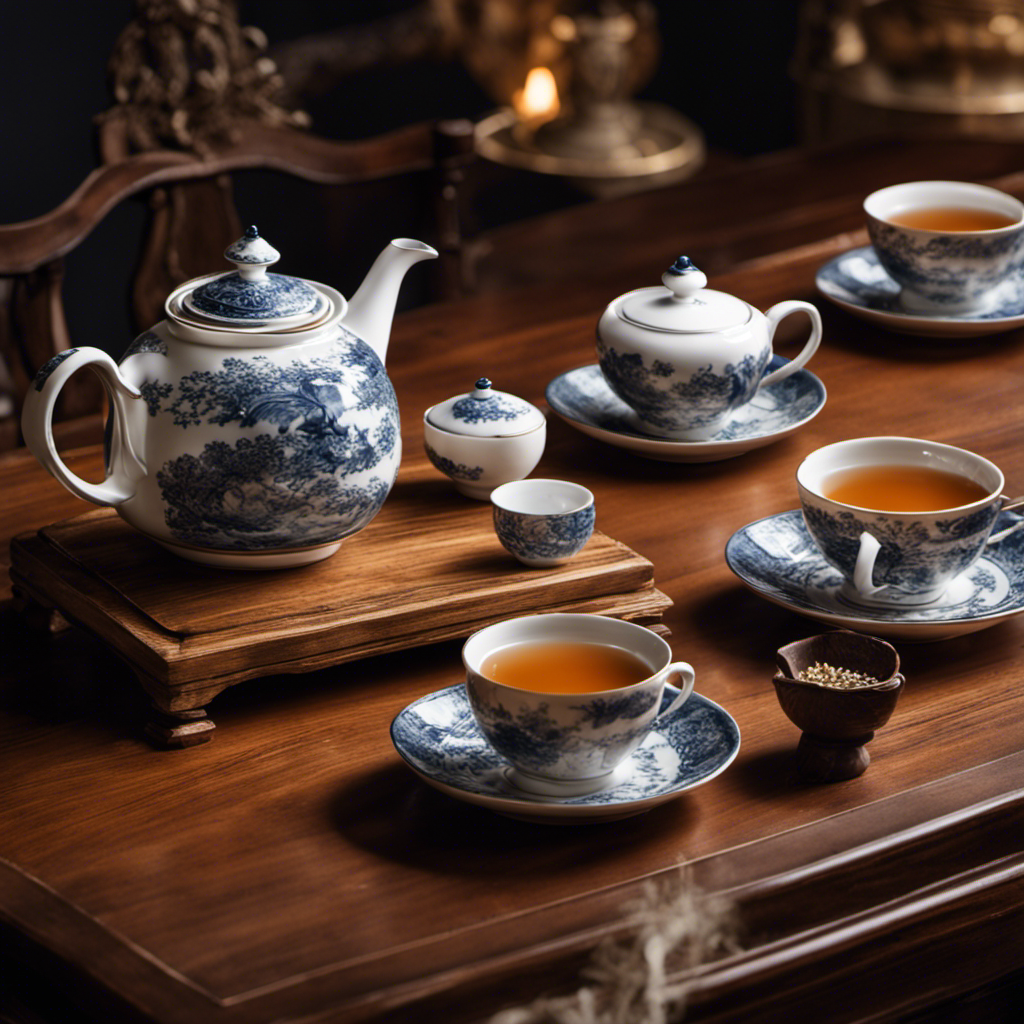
<point x="539" y="96"/>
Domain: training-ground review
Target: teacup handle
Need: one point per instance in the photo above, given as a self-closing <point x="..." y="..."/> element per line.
<point x="778" y="312"/>
<point x="1007" y="505"/>
<point x="684" y="671"/>
<point x="124" y="466"/>
<point x="864" y="567"/>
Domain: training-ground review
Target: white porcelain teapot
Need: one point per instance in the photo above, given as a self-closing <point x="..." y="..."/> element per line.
<point x="685" y="358"/>
<point x="255" y="427"/>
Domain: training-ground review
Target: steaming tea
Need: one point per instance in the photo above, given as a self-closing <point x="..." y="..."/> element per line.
<point x="901" y="488"/>
<point x="952" y="218"/>
<point x="564" y="667"/>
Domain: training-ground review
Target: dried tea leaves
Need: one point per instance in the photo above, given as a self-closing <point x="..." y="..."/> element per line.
<point x="837" y="678"/>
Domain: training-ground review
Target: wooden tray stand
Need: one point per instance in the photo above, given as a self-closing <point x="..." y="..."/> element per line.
<point x="428" y="569"/>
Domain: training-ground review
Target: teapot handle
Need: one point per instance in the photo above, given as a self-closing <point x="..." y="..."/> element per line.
<point x="124" y="466"/>
<point x="777" y="313"/>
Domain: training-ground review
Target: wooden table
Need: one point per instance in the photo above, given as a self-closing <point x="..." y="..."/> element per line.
<point x="294" y="869"/>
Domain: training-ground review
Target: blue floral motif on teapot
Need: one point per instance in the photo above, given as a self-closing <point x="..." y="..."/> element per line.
<point x="677" y="404"/>
<point x="317" y="456"/>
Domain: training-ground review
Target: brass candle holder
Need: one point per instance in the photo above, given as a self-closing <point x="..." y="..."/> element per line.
<point x="595" y="135"/>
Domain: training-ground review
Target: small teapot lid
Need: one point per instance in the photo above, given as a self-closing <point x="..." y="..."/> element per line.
<point x="249" y="294"/>
<point x="484" y="412"/>
<point x="683" y="304"/>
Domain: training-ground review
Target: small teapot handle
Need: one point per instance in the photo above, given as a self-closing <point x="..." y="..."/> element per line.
<point x="776" y="314"/>
<point x="124" y="466"/>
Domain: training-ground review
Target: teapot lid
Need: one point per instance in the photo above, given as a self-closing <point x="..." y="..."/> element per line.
<point x="683" y="304"/>
<point x="250" y="296"/>
<point x="484" y="412"/>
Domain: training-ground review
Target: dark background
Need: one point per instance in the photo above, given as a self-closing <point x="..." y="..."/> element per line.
<point x="724" y="65"/>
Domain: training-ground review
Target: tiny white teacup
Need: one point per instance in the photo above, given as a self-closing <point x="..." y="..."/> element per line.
<point x="948" y="244"/>
<point x="541" y="522"/>
<point x="900" y="558"/>
<point x="569" y="744"/>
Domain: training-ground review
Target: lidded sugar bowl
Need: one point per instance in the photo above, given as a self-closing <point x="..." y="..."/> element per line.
<point x="685" y="357"/>
<point x="255" y="426"/>
<point x="484" y="438"/>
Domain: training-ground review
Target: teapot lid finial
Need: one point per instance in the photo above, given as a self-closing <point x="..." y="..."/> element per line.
<point x="683" y="279"/>
<point x="683" y="304"/>
<point x="249" y="294"/>
<point x="482" y="390"/>
<point x="251" y="254"/>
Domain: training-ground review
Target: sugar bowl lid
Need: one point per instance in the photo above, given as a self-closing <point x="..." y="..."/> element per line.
<point x="249" y="296"/>
<point x="683" y="304"/>
<point x="484" y="412"/>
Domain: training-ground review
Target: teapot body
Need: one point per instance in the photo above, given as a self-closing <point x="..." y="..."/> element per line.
<point x="683" y="384"/>
<point x="257" y="457"/>
<point x="686" y="358"/>
<point x="255" y="427"/>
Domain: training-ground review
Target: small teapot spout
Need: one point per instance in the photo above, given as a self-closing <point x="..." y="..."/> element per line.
<point x="372" y="308"/>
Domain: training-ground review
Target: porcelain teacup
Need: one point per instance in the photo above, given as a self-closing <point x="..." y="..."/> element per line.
<point x="543" y="523"/>
<point x="900" y="558"/>
<point x="569" y="744"/>
<point x="940" y="270"/>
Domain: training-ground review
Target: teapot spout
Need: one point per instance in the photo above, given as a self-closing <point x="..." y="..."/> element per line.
<point x="372" y="308"/>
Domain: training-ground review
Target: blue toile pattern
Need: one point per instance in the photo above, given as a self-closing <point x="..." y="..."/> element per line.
<point x="456" y="470"/>
<point x="232" y="297"/>
<point x="584" y="397"/>
<point x="439" y="739"/>
<point x="319" y="458"/>
<point x="681" y="404"/>
<point x="777" y="558"/>
<point x="934" y="266"/>
<point x="858" y="279"/>
<point x="535" y="740"/>
<point x="49" y="366"/>
<point x="557" y="536"/>
<point x="147" y="341"/>
<point x="154" y="392"/>
<point x="492" y="409"/>
<point x="909" y="558"/>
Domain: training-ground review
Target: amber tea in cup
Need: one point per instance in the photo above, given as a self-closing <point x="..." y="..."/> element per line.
<point x="565" y="698"/>
<point x="949" y="245"/>
<point x="555" y="667"/>
<point x="901" y="518"/>
<point x="952" y="218"/>
<point x="902" y="488"/>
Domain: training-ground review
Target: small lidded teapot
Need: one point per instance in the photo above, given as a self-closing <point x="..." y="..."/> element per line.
<point x="685" y="357"/>
<point x="484" y="438"/>
<point x="255" y="427"/>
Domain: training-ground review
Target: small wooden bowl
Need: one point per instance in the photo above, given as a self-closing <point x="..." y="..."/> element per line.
<point x="837" y="723"/>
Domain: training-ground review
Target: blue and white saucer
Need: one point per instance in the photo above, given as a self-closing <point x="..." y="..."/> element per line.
<point x="858" y="283"/>
<point x="776" y="558"/>
<point x="439" y="740"/>
<point x="584" y="400"/>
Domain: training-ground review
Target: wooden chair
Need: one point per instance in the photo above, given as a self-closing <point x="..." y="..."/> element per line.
<point x="32" y="319"/>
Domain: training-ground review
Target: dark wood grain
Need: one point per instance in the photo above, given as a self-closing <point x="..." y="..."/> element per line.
<point x="295" y="869"/>
<point x="429" y="568"/>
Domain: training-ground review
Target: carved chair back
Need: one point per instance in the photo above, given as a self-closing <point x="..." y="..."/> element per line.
<point x="191" y="221"/>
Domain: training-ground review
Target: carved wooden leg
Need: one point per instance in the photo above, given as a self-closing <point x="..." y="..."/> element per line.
<point x="175" y="730"/>
<point x="37" y="617"/>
